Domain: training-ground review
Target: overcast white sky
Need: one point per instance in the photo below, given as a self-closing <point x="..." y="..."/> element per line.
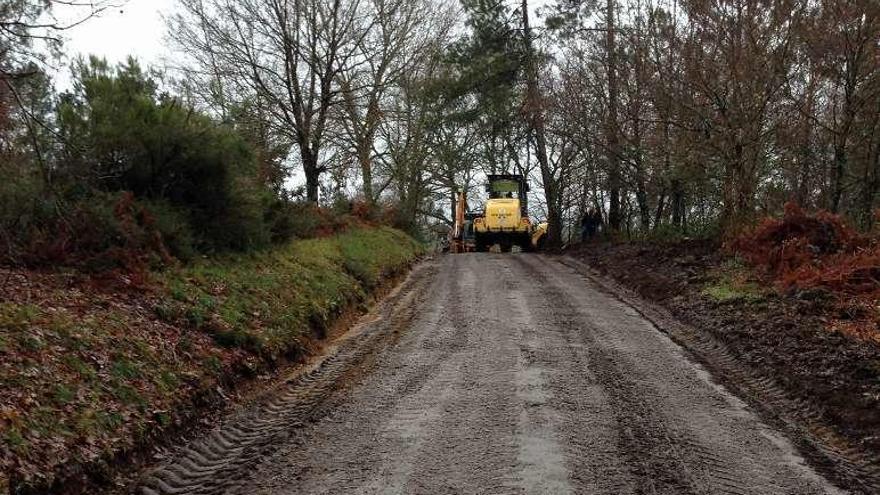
<point x="137" y="28"/>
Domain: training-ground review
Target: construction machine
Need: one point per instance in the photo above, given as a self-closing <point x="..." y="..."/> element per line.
<point x="462" y="233"/>
<point x="505" y="219"/>
<point x="539" y="236"/>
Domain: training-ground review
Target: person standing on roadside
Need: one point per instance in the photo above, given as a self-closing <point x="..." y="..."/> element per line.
<point x="585" y="226"/>
<point x="589" y="225"/>
<point x="597" y="223"/>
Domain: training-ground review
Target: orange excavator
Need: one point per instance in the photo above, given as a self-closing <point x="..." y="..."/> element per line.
<point x="462" y="234"/>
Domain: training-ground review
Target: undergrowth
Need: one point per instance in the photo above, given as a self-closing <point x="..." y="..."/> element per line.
<point x="732" y="283"/>
<point x="819" y="252"/>
<point x="87" y="373"/>
<point x="261" y="302"/>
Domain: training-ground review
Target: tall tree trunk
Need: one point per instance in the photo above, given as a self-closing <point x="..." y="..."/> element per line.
<point x="644" y="208"/>
<point x="677" y="203"/>
<point x="839" y="173"/>
<point x="636" y="117"/>
<point x="730" y="219"/>
<point x="641" y="188"/>
<point x="366" y="163"/>
<point x="313" y="174"/>
<point x="535" y="109"/>
<point x="453" y="204"/>
<point x="611" y="126"/>
<point x="453" y="189"/>
<point x="841" y="141"/>
<point x="661" y="207"/>
<point x="805" y="164"/>
<point x="870" y="189"/>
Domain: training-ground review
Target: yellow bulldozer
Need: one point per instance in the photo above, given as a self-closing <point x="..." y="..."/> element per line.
<point x="505" y="219"/>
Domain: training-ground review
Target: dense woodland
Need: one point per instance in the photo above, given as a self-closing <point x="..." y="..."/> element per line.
<point x="671" y="117"/>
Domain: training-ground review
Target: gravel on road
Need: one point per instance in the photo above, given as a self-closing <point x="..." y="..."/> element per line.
<point x="490" y="373"/>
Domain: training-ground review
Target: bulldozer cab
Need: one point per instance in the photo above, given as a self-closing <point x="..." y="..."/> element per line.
<point x="509" y="187"/>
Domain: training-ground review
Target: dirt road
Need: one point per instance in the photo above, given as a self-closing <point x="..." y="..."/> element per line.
<point x="496" y="374"/>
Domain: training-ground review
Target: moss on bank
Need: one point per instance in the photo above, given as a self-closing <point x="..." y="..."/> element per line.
<point x="85" y="374"/>
<point x="262" y="302"/>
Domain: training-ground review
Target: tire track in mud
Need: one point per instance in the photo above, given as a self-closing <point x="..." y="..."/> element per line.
<point x="414" y="361"/>
<point x="469" y="428"/>
<point x="493" y="374"/>
<point x="638" y="438"/>
<point x="541" y="448"/>
<point x="471" y="445"/>
<point x="220" y="462"/>
<point x="676" y="436"/>
<point x="836" y="457"/>
<point x="584" y="425"/>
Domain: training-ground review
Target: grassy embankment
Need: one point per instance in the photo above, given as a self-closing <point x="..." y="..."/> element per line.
<point x="89" y="373"/>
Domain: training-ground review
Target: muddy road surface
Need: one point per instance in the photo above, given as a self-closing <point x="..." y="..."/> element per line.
<point x="501" y="374"/>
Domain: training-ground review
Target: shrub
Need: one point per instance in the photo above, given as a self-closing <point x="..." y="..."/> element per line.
<point x="24" y="205"/>
<point x="73" y="232"/>
<point x="300" y="220"/>
<point x="122" y="136"/>
<point x="173" y="225"/>
<point x="341" y="205"/>
<point x="281" y="220"/>
<point x="784" y="245"/>
<point x="141" y="179"/>
<point x="98" y="231"/>
<point x="820" y="251"/>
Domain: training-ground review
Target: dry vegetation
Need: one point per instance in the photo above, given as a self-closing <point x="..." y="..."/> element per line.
<point x="820" y="253"/>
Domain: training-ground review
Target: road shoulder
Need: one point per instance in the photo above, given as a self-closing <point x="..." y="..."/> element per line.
<point x="831" y="452"/>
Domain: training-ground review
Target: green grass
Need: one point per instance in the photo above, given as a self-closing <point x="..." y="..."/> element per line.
<point x="367" y="255"/>
<point x="128" y="395"/>
<point x="726" y="292"/>
<point x="15" y="441"/>
<point x="732" y="283"/>
<point x="167" y="380"/>
<point x="62" y="395"/>
<point x="105" y="373"/>
<point x="263" y="302"/>
<point x="84" y="371"/>
<point x="17" y="316"/>
<point x="124" y="369"/>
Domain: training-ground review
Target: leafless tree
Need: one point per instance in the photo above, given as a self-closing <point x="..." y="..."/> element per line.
<point x="402" y="35"/>
<point x="535" y="112"/>
<point x="287" y="53"/>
